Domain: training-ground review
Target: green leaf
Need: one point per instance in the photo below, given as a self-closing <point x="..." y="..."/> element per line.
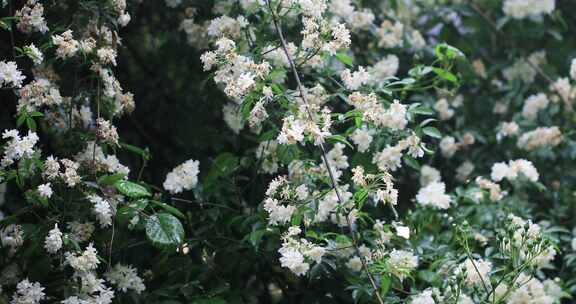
<point x="164" y="229"/>
<point x="447" y="52"/>
<point x="127" y="212"/>
<point x="287" y="153"/>
<point x="21" y="119"/>
<point x="131" y="189"/>
<point x="432" y="132"/>
<point x="30" y="123"/>
<point x="385" y="282"/>
<point x="110" y="179"/>
<point x="169" y="208"/>
<point x="36" y="114"/>
<point x="427" y="121"/>
<point x="344" y="58"/>
<point x="422" y="110"/>
<point x="410" y="161"/>
<point x="340" y="138"/>
<point x="144" y="153"/>
<point x="419" y="71"/>
<point x="256" y="237"/>
<point x="446" y="75"/>
<point x="360" y="197"/>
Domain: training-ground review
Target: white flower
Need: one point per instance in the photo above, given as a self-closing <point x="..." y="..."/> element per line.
<point x="362" y="138"/>
<point x="302" y="192"/>
<point x="10" y="76"/>
<point x="533" y="104"/>
<point x="70" y="175"/>
<point x="520" y="9"/>
<point x="12" y="236"/>
<point x="107" y="55"/>
<point x="17" y="147"/>
<point x="387" y="67"/>
<point x="28" y="293"/>
<point x="233" y="117"/>
<point x="448" y="146"/>
<point x="443" y="108"/>
<point x="294" y="260"/>
<point x="183" y="177"/>
<point x="434" y="194"/>
<point x="316" y="253"/>
<point x="388" y="159"/>
<point x="500" y="171"/>
<point x="355" y="264"/>
<point x="67" y="46"/>
<point x="342" y="8"/>
<point x="573" y="69"/>
<point x="125" y="277"/>
<point x="336" y="157"/>
<point x="511" y="170"/>
<point x="425" y="297"/>
<point x="107" y="132"/>
<point x="292" y="131"/>
<point x="37" y="94"/>
<point x="278" y="214"/>
<point x="30" y="18"/>
<point x="34" y="53"/>
<point x="476" y="271"/>
<point x="418" y="42"/>
<point x="540" y="137"/>
<point x="401" y="262"/>
<point x="403" y="231"/>
<point x="80" y="232"/>
<point x="464" y="170"/>
<point x="53" y="241"/>
<point x="354" y="80"/>
<point x="390" y="34"/>
<point x="429" y="175"/>
<point x="509" y="129"/>
<point x="102" y="210"/>
<point x="173" y="3"/>
<point x="396" y="116"/>
<point x="124" y="19"/>
<point x="313" y="8"/>
<point x="84" y="262"/>
<point x="45" y="190"/>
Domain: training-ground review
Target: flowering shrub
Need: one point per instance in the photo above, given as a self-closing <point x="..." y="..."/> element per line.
<point x="341" y="151"/>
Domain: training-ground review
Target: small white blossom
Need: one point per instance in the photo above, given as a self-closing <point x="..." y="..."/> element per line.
<point x="183" y="177"/>
<point x="45" y="190"/>
<point x="10" y="76"/>
<point x="53" y="241"/>
<point x="125" y="277"/>
<point x="434" y="194"/>
<point x="102" y="210"/>
<point x="573" y="69"/>
<point x="28" y="293"/>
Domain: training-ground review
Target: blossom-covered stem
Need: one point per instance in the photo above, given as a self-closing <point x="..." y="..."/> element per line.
<point x="467" y="249"/>
<point x="323" y="150"/>
<point x="550" y="81"/>
<point x="515" y="273"/>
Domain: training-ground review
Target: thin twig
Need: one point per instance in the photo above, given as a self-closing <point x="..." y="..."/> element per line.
<point x="480" y="12"/>
<point x="323" y="150"/>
